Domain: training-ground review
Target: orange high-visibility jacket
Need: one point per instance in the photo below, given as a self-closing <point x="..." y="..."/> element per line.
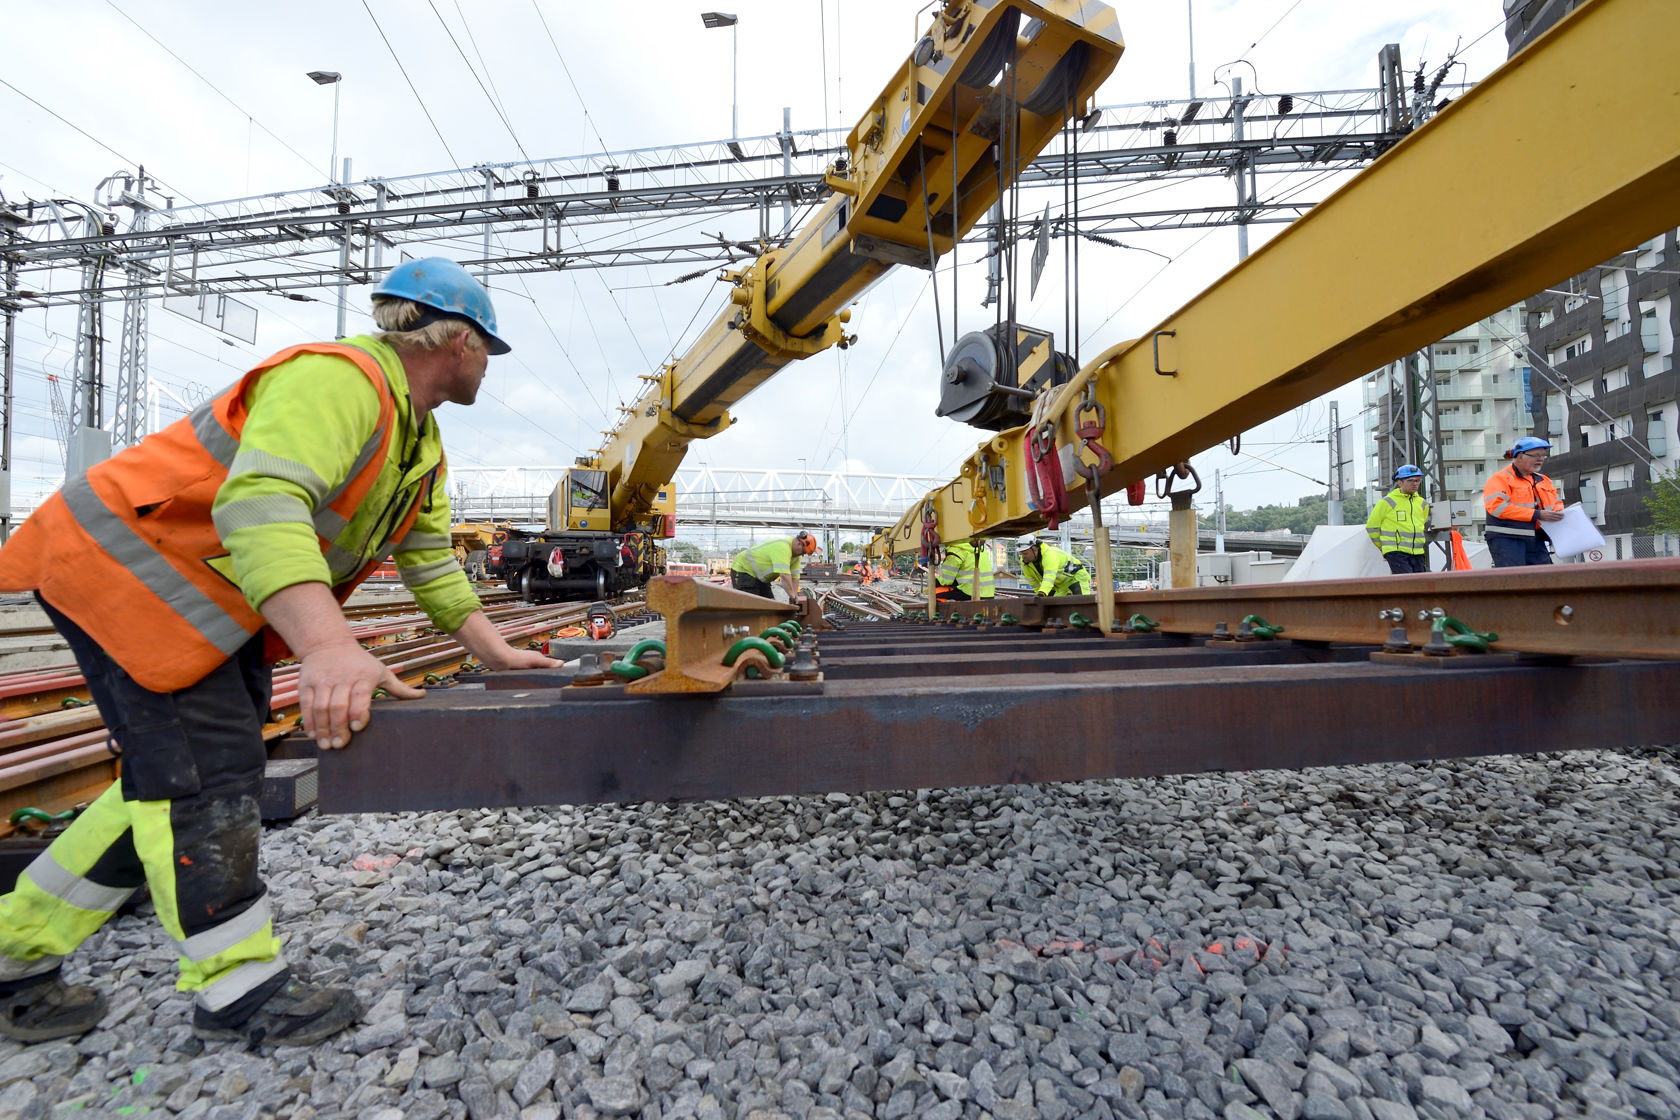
<point x="129" y="551"/>
<point x="1511" y="501"/>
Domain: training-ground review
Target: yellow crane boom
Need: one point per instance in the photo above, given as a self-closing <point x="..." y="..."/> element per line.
<point x="981" y="94"/>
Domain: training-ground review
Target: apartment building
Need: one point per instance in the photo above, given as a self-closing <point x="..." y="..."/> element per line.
<point x="1602" y="344"/>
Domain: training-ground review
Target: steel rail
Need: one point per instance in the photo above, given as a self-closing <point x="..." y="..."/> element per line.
<point x="1628" y="608"/>
<point x="985" y="730"/>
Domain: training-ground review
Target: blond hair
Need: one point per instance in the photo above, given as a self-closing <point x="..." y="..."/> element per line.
<point x="395" y="315"/>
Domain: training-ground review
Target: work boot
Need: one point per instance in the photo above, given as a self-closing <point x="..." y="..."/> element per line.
<point x="284" y="1012"/>
<point x="42" y="1008"/>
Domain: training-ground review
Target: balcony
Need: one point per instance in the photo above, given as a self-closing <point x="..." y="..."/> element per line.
<point x="1463" y="389"/>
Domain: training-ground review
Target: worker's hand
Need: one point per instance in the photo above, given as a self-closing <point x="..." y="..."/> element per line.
<point x="510" y="658"/>
<point x="1549" y="514"/>
<point x="335" y="691"/>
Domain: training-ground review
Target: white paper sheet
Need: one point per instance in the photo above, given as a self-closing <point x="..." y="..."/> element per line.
<point x="1575" y="534"/>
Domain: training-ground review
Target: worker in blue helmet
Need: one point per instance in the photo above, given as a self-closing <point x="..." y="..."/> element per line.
<point x="1520" y="501"/>
<point x="1399" y="521"/>
<point x="441" y="290"/>
<point x="178" y="571"/>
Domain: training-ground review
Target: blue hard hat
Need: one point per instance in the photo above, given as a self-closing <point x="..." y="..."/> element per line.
<point x="1527" y="443"/>
<point x="444" y="286"/>
<point x="1406" y="470"/>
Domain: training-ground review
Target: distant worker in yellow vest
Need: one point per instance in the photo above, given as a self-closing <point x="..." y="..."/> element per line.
<point x="1049" y="570"/>
<point x="178" y="571"/>
<point x="966" y="573"/>
<point x="1398" y="524"/>
<point x="777" y="561"/>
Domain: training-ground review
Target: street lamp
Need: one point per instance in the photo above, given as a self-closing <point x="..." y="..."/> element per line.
<point x="724" y="19"/>
<point x="330" y="78"/>
<point x="334" y="79"/>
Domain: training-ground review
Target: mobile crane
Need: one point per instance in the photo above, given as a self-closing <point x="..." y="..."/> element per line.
<point x="980" y="95"/>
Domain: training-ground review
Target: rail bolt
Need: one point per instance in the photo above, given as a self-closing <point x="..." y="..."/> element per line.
<point x="589" y="671"/>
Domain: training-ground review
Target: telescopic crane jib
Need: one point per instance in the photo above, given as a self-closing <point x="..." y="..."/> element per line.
<point x="981" y="94"/>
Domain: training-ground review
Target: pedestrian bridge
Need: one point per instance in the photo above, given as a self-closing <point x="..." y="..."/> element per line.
<point x="849" y="501"/>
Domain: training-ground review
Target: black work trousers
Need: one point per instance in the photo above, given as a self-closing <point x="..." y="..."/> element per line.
<point x="744" y="581"/>
<point x="201" y="750"/>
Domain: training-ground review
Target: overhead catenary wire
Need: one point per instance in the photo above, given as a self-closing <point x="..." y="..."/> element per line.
<point x="495" y="106"/>
<point x="246" y="113"/>
<point x="418" y="99"/>
<point x="84" y="132"/>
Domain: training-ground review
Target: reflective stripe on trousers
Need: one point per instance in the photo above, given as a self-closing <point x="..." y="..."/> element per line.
<point x="183" y="819"/>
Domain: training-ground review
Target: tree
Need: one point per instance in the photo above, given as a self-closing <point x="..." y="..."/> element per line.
<point x="1663" y="503"/>
<point x="686" y="551"/>
<point x="1302" y="517"/>
<point x="848" y="548"/>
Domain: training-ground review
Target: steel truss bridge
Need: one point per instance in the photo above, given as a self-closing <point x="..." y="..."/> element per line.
<point x="844" y="501"/>
<point x="134" y="246"/>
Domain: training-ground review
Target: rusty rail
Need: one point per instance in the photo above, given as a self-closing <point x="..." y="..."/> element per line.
<point x="1626" y="609"/>
<point x="702" y="622"/>
<point x="904" y="705"/>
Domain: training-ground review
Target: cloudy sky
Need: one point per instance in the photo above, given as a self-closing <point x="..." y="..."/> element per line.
<point x="212" y="98"/>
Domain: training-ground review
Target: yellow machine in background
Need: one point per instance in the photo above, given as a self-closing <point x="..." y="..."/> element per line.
<point x="979" y="96"/>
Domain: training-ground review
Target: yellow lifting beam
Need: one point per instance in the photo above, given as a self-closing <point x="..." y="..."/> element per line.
<point x="1562" y="158"/>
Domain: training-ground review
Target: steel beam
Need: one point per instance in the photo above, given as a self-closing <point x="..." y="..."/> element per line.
<point x="1629" y="608"/>
<point x="531" y="747"/>
<point x="1395" y="259"/>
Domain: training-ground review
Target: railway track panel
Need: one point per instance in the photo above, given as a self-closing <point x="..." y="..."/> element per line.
<point x="901" y="705"/>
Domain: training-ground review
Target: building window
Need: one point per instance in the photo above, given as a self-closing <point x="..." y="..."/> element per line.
<point x="1548" y="315"/>
<point x="1613" y="379"/>
<point x="1574" y="348"/>
<point x="1619" y="478"/>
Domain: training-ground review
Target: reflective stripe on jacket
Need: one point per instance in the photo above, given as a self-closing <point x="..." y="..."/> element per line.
<point x="1063" y="573"/>
<point x="957" y="570"/>
<point x="162" y="552"/>
<point x="768" y="560"/>
<point x="1397" y="523"/>
<point x="1511" y="501"/>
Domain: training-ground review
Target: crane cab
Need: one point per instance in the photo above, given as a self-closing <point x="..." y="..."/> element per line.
<point x="580" y="501"/>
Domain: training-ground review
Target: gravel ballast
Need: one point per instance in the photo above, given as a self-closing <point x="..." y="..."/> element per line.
<point x="1488" y="938"/>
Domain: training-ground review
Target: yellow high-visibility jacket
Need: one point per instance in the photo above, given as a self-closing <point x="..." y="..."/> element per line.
<point x="1063" y="573"/>
<point x="957" y="570"/>
<point x="1398" y="522"/>
<point x="769" y="560"/>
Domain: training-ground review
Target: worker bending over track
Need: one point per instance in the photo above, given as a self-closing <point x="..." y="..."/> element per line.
<point x="965" y="573"/>
<point x="1052" y="571"/>
<point x="779" y="560"/>
<point x="179" y="571"/>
